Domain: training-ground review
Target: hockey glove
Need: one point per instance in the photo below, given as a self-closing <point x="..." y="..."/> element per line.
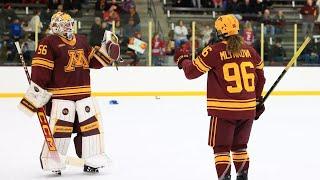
<point x="182" y="54"/>
<point x="109" y="50"/>
<point x="259" y="108"/>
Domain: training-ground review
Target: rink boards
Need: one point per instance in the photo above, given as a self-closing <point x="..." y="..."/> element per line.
<point x="164" y="81"/>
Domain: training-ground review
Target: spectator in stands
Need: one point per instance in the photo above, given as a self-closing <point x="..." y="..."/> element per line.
<point x="96" y="33"/>
<point x="206" y="35"/>
<point x="233" y="6"/>
<point x="130" y="29"/>
<point x="269" y="29"/>
<point x="113" y="3"/>
<point x="170" y="45"/>
<point x="16" y="31"/>
<point x="3" y="21"/>
<point x="110" y="16"/>
<point x="136" y="56"/>
<point x="309" y="12"/>
<point x="248" y="34"/>
<point x="132" y="15"/>
<point x="53" y="4"/>
<point x="246" y="10"/>
<point x="9" y="13"/>
<point x="180" y="34"/>
<point x="73" y="7"/>
<point x="60" y="8"/>
<point x="45" y="18"/>
<point x="261" y="6"/>
<point x="28" y="48"/>
<point x="126" y="5"/>
<point x="310" y="54"/>
<point x="158" y="50"/>
<point x="34" y="20"/>
<point x="8" y="49"/>
<point x="217" y="3"/>
<point x="280" y="21"/>
<point x="277" y="52"/>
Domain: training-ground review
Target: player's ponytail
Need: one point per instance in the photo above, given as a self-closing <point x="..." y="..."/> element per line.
<point x="234" y="44"/>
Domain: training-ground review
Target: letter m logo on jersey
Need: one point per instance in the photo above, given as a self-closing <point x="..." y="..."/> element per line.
<point x="76" y="59"/>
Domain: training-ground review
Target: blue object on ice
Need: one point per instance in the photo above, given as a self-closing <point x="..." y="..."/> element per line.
<point x="113" y="102"/>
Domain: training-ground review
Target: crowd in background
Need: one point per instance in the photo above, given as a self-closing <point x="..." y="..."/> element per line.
<point x="127" y="25"/>
<point x="252" y="13"/>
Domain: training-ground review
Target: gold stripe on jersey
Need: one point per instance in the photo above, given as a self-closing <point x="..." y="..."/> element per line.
<point x="42" y="62"/>
<point x="93" y="50"/>
<point x="201" y="66"/>
<point x="231" y="100"/>
<point x="220" y="104"/>
<point x="70" y="91"/>
<point x="71" y="42"/>
<point x="260" y="65"/>
<point x="232" y="109"/>
<point x="102" y="58"/>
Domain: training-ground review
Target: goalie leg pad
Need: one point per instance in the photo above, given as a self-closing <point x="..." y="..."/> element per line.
<point x="61" y="124"/>
<point x="92" y="143"/>
<point x="34" y="98"/>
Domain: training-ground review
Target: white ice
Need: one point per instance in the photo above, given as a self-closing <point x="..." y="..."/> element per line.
<point x="166" y="139"/>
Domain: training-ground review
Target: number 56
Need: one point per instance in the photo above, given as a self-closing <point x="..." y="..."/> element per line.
<point x="42" y="49"/>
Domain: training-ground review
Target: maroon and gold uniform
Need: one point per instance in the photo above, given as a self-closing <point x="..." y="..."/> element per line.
<point x="235" y="83"/>
<point x="63" y="67"/>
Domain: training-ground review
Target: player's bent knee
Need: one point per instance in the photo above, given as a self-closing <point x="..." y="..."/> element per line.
<point x="92" y="149"/>
<point x="221" y="149"/>
<point x="239" y="147"/>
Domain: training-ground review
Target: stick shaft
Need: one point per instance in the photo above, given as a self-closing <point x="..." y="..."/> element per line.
<point x="40" y="113"/>
<point x="291" y="62"/>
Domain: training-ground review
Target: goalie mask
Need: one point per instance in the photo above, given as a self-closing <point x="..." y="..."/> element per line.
<point x="62" y="25"/>
<point x="226" y="25"/>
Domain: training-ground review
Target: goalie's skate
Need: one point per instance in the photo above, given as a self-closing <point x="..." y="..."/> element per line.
<point x="243" y="176"/>
<point x="58" y="172"/>
<point x="90" y="169"/>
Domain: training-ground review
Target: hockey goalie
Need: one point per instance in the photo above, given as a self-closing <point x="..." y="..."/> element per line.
<point x="61" y="82"/>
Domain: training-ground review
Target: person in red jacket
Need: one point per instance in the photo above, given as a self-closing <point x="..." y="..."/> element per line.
<point x="158" y="50"/>
<point x="234" y="87"/>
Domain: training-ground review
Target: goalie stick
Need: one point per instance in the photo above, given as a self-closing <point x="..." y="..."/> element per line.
<point x="53" y="153"/>
<point x="291" y="62"/>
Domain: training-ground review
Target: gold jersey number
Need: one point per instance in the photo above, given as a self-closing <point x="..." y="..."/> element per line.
<point x="238" y="73"/>
<point x="42" y="49"/>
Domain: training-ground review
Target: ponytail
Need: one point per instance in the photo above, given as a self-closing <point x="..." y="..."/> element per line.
<point x="234" y="44"/>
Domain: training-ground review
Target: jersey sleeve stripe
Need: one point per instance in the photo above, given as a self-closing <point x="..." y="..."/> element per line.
<point x="204" y="64"/>
<point x="198" y="68"/>
<point x="232" y="100"/>
<point x="43" y="59"/>
<point x="260" y="65"/>
<point x="56" y="92"/>
<point x="199" y="63"/>
<point x="41" y="62"/>
<point x="41" y="65"/>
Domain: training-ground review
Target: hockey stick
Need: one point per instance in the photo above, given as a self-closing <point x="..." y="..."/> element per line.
<point x="53" y="153"/>
<point x="291" y="62"/>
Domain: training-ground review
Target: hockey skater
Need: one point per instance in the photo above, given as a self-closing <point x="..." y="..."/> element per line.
<point x="234" y="87"/>
<point x="61" y="82"/>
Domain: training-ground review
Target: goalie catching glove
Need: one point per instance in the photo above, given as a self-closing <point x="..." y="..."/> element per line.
<point x="35" y="97"/>
<point x="109" y="50"/>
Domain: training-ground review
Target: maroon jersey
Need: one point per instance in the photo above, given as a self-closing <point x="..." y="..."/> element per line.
<point x="62" y="67"/>
<point x="235" y="81"/>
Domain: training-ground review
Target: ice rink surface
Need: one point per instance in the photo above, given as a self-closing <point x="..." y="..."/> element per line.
<point x="166" y="139"/>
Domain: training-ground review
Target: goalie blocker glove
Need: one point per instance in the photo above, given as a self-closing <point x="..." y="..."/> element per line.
<point x="35" y="97"/>
<point x="109" y="50"/>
